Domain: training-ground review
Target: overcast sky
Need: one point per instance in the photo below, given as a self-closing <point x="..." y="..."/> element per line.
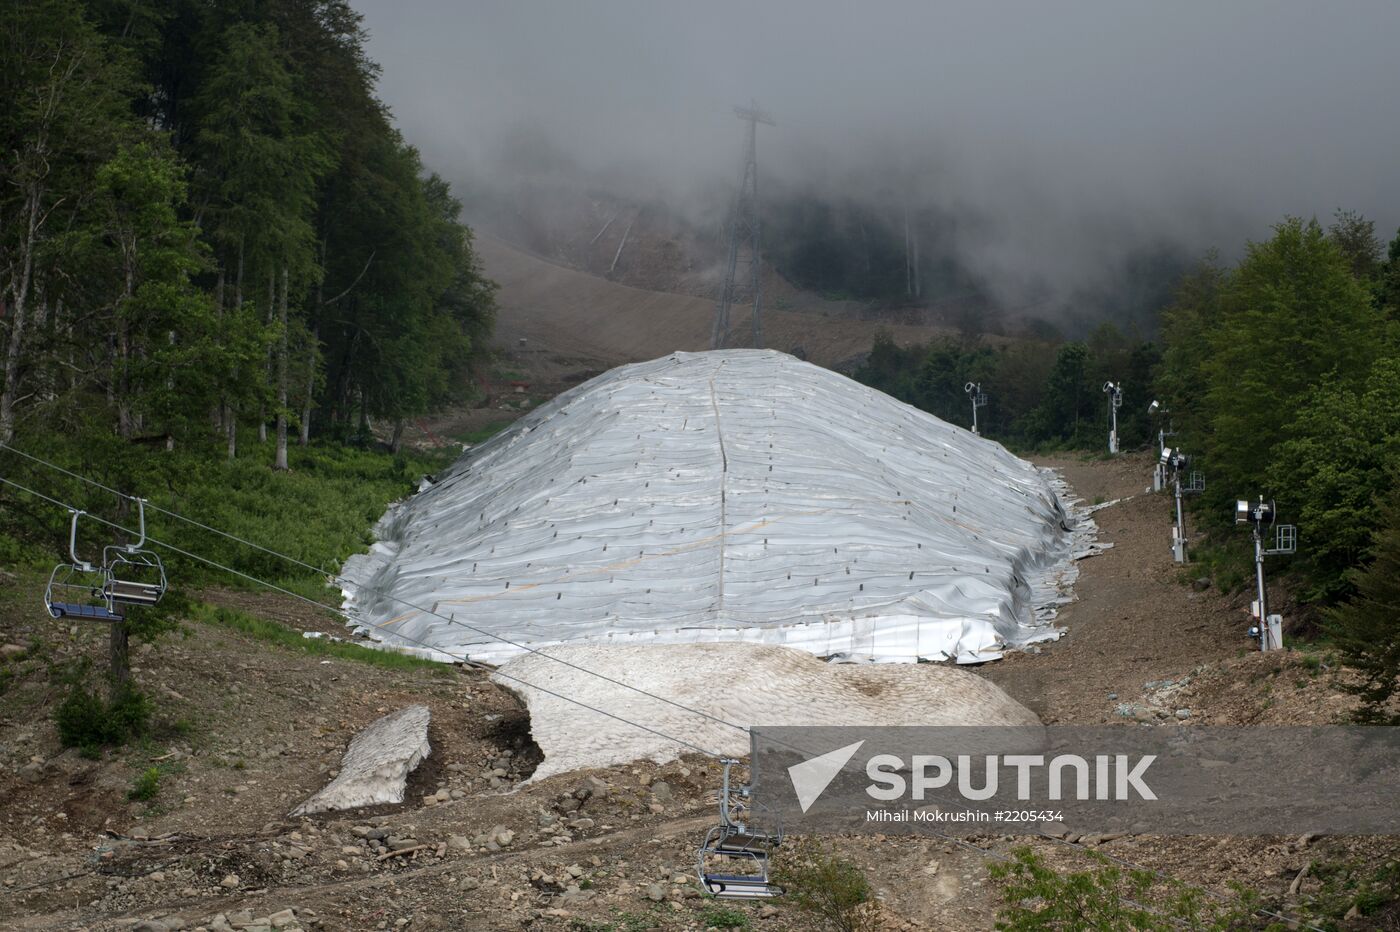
<point x="1070" y="128"/>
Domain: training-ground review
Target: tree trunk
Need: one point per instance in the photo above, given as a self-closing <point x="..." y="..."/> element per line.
<point x="267" y="363"/>
<point x="20" y="289"/>
<point x="396" y="443"/>
<point x="231" y="410"/>
<point x="216" y="414"/>
<point x="280" y="461"/>
<point x="305" y="435"/>
<point x="124" y="419"/>
<point x="119" y="658"/>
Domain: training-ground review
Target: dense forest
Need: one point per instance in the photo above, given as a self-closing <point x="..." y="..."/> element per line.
<point x="209" y="227"/>
<point x="1279" y="375"/>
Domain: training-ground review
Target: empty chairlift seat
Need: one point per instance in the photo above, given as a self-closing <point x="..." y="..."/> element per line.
<point x="78" y="589"/>
<point x="134" y="576"/>
<point x="733" y="860"/>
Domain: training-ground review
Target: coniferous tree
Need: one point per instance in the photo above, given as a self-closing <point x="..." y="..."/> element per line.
<point x="1366" y="630"/>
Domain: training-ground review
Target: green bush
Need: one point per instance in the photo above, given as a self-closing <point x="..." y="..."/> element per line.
<point x="1035" y="897"/>
<point x="86" y="720"/>
<point x="147" y="785"/>
<point x="830" y="890"/>
<point x="724" y="917"/>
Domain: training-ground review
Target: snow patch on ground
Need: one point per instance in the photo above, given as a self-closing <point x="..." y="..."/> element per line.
<point x="709" y="685"/>
<point x="376" y="766"/>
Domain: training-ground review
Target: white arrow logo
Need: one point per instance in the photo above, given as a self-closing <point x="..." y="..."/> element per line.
<point x="811" y="777"/>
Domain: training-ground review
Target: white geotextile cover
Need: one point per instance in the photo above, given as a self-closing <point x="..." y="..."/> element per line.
<point x="743" y="684"/>
<point x="736" y="495"/>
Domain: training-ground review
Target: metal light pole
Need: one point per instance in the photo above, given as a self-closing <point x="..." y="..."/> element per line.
<point x="978" y="399"/>
<point x="1269" y="629"/>
<point x="1115" y="401"/>
<point x="1159" y="469"/>
<point x="1194" y="482"/>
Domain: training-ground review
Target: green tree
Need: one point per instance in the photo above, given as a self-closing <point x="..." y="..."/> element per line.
<point x="946" y="369"/>
<point x="1181" y="378"/>
<point x="259" y="168"/>
<point x="1388" y="287"/>
<point x="66" y="92"/>
<point x="1330" y="474"/>
<point x="1366" y="629"/>
<point x="1278" y="333"/>
<point x="1065" y="413"/>
<point x="1355" y="237"/>
<point x="169" y="357"/>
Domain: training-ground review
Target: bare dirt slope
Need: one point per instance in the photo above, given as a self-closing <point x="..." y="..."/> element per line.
<point x="582" y="317"/>
<point x="250" y="727"/>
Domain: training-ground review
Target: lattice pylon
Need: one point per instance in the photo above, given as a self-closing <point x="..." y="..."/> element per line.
<point x="743" y="236"/>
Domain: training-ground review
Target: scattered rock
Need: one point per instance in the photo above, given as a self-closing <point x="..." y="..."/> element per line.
<point x="11" y="651"/>
<point x="230" y="881"/>
<point x="655" y="892"/>
<point x="1183" y="714"/>
<point x="32" y="772"/>
<point x="1201" y="583"/>
<point x="283" y="918"/>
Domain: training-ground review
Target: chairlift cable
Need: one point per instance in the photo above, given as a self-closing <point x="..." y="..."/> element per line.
<point x="463" y="659"/>
<point x="451" y="620"/>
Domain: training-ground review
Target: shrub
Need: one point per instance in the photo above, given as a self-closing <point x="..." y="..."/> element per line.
<point x="1036" y="897"/>
<point x="724" y="917"/>
<point x="147" y="785"/>
<point x="86" y="721"/>
<point x="829" y="889"/>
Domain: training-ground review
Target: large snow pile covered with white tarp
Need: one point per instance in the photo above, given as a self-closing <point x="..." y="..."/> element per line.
<point x="736" y="495"/>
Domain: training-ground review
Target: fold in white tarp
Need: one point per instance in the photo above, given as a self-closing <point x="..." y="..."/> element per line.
<point x="736" y="495"/>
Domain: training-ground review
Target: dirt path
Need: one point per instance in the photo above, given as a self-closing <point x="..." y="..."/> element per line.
<point x="1134" y="621"/>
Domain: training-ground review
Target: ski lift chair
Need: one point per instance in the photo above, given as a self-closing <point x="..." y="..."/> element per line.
<point x="733" y="859"/>
<point x="134" y="576"/>
<point x="78" y="589"/>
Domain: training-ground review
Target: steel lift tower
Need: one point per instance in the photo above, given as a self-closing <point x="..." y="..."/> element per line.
<point x="743" y="229"/>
